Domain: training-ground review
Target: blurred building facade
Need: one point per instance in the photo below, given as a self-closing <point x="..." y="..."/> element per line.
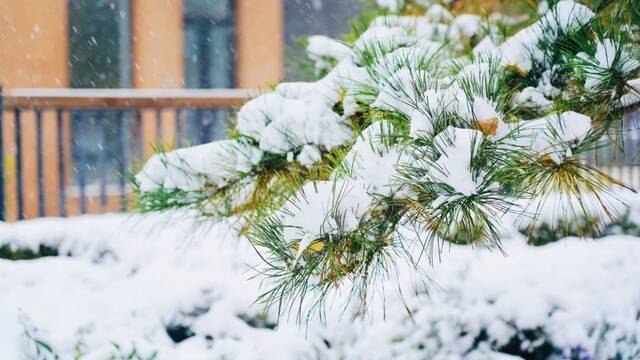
<point x="140" y="43"/>
<point x="157" y="43"/>
<point x="137" y="44"/>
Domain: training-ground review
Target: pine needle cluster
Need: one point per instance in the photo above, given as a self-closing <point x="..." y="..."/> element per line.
<point x="430" y="129"/>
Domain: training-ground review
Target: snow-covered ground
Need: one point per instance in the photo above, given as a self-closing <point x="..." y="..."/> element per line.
<point x="124" y="282"/>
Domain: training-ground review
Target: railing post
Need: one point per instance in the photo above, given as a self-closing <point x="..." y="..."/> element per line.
<point x="19" y="175"/>
<point x="121" y="133"/>
<point x="139" y="135"/>
<point x="178" y="115"/>
<point x="82" y="118"/>
<point x="61" y="167"/>
<point x="2" y="199"/>
<point x="40" y="164"/>
<point x="158" y="126"/>
<point x="102" y="149"/>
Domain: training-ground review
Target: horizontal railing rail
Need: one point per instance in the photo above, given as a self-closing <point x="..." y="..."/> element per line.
<point x="123" y="98"/>
<point x="67" y="151"/>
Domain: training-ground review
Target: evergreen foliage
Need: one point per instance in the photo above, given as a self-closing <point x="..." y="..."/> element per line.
<point x="429" y="129"/>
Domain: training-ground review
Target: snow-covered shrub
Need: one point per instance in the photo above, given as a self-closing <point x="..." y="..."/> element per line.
<point x="7" y="252"/>
<point x="555" y="223"/>
<point x="431" y="127"/>
<point x="150" y="290"/>
<point x="542" y="303"/>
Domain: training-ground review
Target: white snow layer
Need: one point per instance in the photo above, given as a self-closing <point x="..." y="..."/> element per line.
<point x="373" y="159"/>
<point x="127" y="278"/>
<point x="193" y="167"/>
<point x="391" y="5"/>
<point x="323" y="208"/>
<point x="609" y="54"/>
<point x="553" y="134"/>
<point x="282" y="124"/>
<point x="453" y="168"/>
<point x="564" y="17"/>
<point x="320" y="46"/>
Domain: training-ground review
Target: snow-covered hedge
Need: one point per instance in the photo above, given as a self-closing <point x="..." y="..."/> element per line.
<point x="430" y="128"/>
<point x="541" y="303"/>
<point x="133" y="282"/>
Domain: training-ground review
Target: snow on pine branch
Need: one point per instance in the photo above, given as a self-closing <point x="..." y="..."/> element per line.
<point x="431" y="122"/>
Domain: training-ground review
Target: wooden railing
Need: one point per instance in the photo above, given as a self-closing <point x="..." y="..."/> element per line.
<point x="619" y="153"/>
<point x="60" y="148"/>
<point x="123" y="98"/>
<point x="67" y="151"/>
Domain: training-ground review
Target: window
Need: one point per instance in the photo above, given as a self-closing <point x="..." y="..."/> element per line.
<point x="99" y="43"/>
<point x="209" y="58"/>
<point x="209" y="44"/>
<point x="100" y="57"/>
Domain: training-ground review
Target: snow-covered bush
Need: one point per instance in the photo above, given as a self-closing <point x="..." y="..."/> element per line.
<point x="130" y="285"/>
<point x="430" y="128"/>
<point x="486" y="307"/>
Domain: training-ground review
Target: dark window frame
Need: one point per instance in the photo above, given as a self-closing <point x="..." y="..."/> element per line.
<point x="207" y="125"/>
<point x="123" y="54"/>
<point x="204" y="25"/>
<point x="95" y="159"/>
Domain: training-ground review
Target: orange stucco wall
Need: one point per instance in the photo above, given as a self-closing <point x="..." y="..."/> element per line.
<point x="157" y="43"/>
<point x="158" y="62"/>
<point x="33" y="43"/>
<point x="259" y="42"/>
<point x="33" y="53"/>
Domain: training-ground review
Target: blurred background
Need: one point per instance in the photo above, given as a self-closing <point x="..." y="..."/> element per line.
<point x="67" y="151"/>
<point x="91" y="88"/>
<point x="158" y="43"/>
